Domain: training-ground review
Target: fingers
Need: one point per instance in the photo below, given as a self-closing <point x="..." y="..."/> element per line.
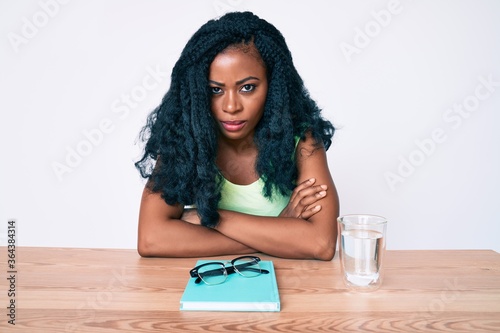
<point x="311" y="194"/>
<point x="302" y="186"/>
<point x="304" y="200"/>
<point x="310" y="212"/>
<point x="305" y="196"/>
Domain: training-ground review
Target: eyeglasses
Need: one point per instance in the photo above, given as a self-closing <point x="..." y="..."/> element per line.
<point x="216" y="272"/>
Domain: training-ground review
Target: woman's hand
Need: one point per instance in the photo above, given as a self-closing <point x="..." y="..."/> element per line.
<point x="302" y="203"/>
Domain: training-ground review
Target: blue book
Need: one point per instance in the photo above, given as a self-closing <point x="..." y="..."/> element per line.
<point x="237" y="293"/>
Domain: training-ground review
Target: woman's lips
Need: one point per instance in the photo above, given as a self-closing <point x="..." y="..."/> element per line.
<point x="233" y="126"/>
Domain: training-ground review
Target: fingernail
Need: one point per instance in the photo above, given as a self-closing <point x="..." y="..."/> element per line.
<point x="311" y="180"/>
<point x="318" y="207"/>
<point x="324" y="187"/>
<point x="322" y="193"/>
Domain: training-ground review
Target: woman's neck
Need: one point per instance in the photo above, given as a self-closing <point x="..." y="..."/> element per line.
<point x="239" y="147"/>
<point x="236" y="161"/>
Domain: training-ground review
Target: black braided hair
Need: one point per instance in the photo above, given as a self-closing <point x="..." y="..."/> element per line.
<point x="181" y="134"/>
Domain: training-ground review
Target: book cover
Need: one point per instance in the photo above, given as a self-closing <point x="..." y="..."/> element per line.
<point x="237" y="293"/>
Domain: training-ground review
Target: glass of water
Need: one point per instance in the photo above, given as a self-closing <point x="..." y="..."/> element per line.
<point x="362" y="249"/>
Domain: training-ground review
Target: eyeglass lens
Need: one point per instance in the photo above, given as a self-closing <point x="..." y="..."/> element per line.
<point x="213" y="273"/>
<point x="248" y="267"/>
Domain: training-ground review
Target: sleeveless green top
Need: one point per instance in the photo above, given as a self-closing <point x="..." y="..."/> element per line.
<point x="249" y="199"/>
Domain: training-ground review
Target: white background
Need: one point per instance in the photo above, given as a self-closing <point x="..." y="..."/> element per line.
<point x="67" y="68"/>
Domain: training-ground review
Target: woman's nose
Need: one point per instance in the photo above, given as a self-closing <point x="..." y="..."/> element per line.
<point x="231" y="103"/>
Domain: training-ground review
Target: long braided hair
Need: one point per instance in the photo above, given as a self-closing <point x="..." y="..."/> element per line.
<point x="181" y="134"/>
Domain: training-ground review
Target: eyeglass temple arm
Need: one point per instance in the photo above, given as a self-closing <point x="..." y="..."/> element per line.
<point x="231" y="270"/>
<point x="241" y="266"/>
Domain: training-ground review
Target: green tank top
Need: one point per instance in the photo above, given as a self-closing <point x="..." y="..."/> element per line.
<point x="249" y="199"/>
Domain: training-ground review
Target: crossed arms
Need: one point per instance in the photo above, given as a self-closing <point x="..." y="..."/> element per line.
<point x="305" y="229"/>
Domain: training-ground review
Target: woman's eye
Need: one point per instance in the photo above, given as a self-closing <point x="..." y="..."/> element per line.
<point x="215" y="90"/>
<point x="248" y="87"/>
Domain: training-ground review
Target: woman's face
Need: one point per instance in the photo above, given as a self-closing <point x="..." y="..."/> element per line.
<point x="238" y="84"/>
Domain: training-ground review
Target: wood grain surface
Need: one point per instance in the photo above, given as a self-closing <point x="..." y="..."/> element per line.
<point x="103" y="290"/>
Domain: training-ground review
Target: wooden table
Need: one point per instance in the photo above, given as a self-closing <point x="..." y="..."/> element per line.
<point x="93" y="290"/>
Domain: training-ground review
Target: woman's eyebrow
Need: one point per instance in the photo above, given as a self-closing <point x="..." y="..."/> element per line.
<point x="237" y="82"/>
<point x="247" y="79"/>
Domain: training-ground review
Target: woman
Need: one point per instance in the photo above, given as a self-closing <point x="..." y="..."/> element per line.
<point x="238" y="138"/>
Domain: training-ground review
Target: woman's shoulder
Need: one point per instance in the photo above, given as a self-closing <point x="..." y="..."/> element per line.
<point x="307" y="139"/>
<point x="307" y="146"/>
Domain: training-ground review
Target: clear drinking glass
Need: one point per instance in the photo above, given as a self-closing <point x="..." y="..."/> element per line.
<point x="362" y="249"/>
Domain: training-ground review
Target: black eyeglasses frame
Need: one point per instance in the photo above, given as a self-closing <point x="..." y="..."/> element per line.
<point x="229" y="269"/>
